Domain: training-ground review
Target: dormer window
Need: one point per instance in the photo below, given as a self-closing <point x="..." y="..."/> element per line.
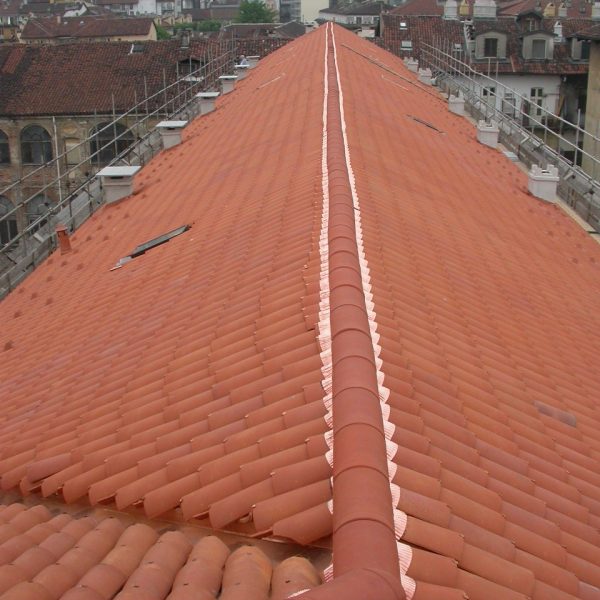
<point x="538" y="46"/>
<point x="538" y="49"/>
<point x="580" y="49"/>
<point x="490" y="47"/>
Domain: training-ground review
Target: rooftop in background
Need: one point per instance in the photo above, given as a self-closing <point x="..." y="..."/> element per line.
<point x="86" y="27"/>
<point x="372" y="8"/>
<point x="191" y="384"/>
<point x="287" y="31"/>
<point x="589" y="32"/>
<point x="71" y="79"/>
<point x="434" y="29"/>
<point x="575" y="8"/>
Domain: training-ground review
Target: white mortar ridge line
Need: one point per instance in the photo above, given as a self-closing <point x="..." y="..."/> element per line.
<point x="400" y="518"/>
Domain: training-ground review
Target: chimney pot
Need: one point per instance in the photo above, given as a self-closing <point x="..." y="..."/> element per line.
<point x="64" y="242"/>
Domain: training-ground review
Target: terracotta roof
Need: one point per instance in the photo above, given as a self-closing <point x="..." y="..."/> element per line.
<point x="589" y="31"/>
<point x="341" y="256"/>
<point x="52" y="554"/>
<point x="80" y="78"/>
<point x="419" y="8"/>
<point x="429" y="30"/>
<point x="358" y="8"/>
<point x="290" y="30"/>
<point x="86" y="27"/>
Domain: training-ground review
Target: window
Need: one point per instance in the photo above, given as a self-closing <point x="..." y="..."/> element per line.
<point x="36" y="145"/>
<point x="8" y="225"/>
<point x="403" y="25"/>
<point x="406" y="45"/>
<point x="4" y="149"/>
<point x="108" y="141"/>
<point x="73" y="151"/>
<point x="537" y="101"/>
<point x="490" y="47"/>
<point x="538" y="49"/>
<point x="37" y="207"/>
<point x="488" y="92"/>
<point x="585" y="50"/>
<point x="508" y="104"/>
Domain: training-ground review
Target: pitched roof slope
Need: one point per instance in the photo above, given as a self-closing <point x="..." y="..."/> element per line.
<point x="192" y="372"/>
<point x="487" y="304"/>
<point x="75" y="78"/>
<point x="55" y="555"/>
<point x="86" y="27"/>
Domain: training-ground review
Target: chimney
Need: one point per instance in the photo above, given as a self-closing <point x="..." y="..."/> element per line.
<point x="550" y="10"/>
<point x="58" y="19"/>
<point x="170" y="132"/>
<point x="64" y="242"/>
<point x="464" y="9"/>
<point x="227" y="83"/>
<point x="596" y="11"/>
<point x="484" y="9"/>
<point x="451" y="9"/>
<point x="252" y="61"/>
<point x="562" y="11"/>
<point x="542" y="182"/>
<point x="558" y="32"/>
<point x="185" y="38"/>
<point x="207" y="101"/>
<point x="117" y="182"/>
<point x="456" y="104"/>
<point x="487" y="133"/>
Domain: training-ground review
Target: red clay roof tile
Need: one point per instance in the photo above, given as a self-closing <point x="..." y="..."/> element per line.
<point x="206" y="390"/>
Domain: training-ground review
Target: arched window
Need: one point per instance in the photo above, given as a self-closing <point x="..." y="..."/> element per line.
<point x="4" y="149"/>
<point x="108" y="141"/>
<point x="36" y="145"/>
<point x="39" y="205"/>
<point x="8" y="225"/>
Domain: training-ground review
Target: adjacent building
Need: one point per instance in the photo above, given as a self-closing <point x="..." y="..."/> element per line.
<point x="539" y="63"/>
<point x="54" y="97"/>
<point x="88" y="29"/>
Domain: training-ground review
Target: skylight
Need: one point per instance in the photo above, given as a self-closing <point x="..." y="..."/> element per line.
<point x="153" y="243"/>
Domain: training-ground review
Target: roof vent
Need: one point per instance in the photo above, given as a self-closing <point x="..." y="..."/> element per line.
<point x="207" y="101"/>
<point x="412" y="64"/>
<point x="241" y="70"/>
<point x="456" y="104"/>
<point x="252" y="60"/>
<point x="117" y="182"/>
<point x="227" y="83"/>
<point x="170" y="132"/>
<point x="542" y="183"/>
<point x="484" y="9"/>
<point x="487" y="133"/>
<point x="425" y="76"/>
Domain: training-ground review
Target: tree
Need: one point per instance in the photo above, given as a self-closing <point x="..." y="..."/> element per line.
<point x="255" y="11"/>
<point x="162" y="33"/>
